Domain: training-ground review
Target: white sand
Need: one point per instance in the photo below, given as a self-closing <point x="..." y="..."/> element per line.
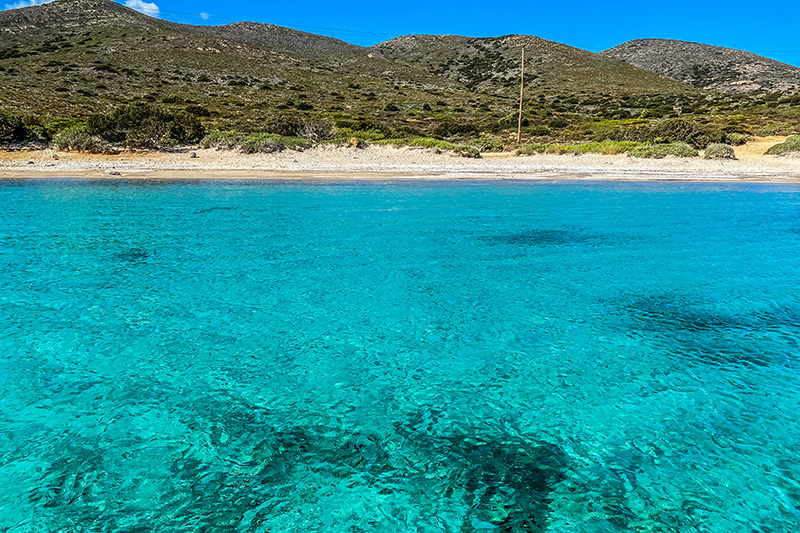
<point x="383" y="162"/>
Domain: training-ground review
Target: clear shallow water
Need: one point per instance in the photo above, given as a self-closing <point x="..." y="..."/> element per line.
<point x="461" y="357"/>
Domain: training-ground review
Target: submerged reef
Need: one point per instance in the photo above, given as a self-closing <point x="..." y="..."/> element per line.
<point x="704" y="334"/>
<point x="240" y="470"/>
<point x="547" y="238"/>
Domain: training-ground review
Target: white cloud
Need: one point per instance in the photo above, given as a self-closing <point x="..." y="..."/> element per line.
<point x="26" y="3"/>
<point x="148" y="8"/>
<point x="204" y="15"/>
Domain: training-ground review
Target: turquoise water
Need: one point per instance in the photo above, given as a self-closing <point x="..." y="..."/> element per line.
<point x="382" y="357"/>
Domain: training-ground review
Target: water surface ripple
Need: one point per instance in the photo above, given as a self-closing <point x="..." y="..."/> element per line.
<point x="384" y="357"/>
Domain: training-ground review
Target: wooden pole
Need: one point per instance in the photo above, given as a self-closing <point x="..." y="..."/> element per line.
<point x="521" y="84"/>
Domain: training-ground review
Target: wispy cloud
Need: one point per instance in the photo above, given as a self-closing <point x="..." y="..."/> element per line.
<point x="148" y="8"/>
<point x="204" y="15"/>
<point x="26" y="3"/>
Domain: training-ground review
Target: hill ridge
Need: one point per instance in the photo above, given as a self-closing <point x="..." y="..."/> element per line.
<point x="707" y="66"/>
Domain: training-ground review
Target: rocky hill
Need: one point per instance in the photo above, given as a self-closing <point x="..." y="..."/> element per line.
<point x="492" y="64"/>
<point x="709" y="67"/>
<point x="285" y="39"/>
<point x="73" y="58"/>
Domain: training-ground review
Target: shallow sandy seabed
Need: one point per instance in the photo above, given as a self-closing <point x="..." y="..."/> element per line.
<point x="385" y="162"/>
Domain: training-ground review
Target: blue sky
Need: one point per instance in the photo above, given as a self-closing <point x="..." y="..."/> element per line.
<point x="770" y="29"/>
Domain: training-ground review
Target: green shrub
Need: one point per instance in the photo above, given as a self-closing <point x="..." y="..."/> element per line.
<point x="677" y="130"/>
<point x="719" y="151"/>
<point x="485" y="144"/>
<point x="529" y="149"/>
<point x="776" y="129"/>
<point x="265" y="144"/>
<point x="658" y="151"/>
<point x="428" y="142"/>
<point x="146" y="126"/>
<point x="12" y="129"/>
<point x="252" y="143"/>
<point x="79" y="139"/>
<point x="453" y="129"/>
<point x="605" y="147"/>
<point x="315" y="131"/>
<point x="37" y="134"/>
<point x="790" y="145"/>
<point x="198" y="111"/>
<point x="464" y="150"/>
<point x="54" y="126"/>
<point x="223" y="140"/>
<point x="298" y="126"/>
<point x="538" y="131"/>
<point x="736" y="139"/>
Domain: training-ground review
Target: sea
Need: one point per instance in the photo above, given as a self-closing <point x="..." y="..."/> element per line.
<point x="399" y="356"/>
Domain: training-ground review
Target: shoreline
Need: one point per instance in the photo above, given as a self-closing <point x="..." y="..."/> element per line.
<point x="334" y="163"/>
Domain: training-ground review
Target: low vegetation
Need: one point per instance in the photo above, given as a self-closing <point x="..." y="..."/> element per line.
<point x="12" y="129"/>
<point x="719" y="151"/>
<point x="789" y="146"/>
<point x="605" y="147"/>
<point x="659" y="151"/>
<point x="251" y="143"/>
<point x="145" y="126"/>
<point x="77" y="138"/>
<point x="554" y="126"/>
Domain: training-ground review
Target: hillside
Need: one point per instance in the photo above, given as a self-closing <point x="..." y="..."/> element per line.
<point x="309" y="45"/>
<point x="71" y="59"/>
<point x="77" y="56"/>
<point x="492" y="64"/>
<point x="709" y="67"/>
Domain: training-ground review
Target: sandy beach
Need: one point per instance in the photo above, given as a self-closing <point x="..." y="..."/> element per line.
<point x="386" y="162"/>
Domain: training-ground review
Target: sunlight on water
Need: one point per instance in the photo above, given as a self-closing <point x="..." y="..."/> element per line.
<point x="433" y="357"/>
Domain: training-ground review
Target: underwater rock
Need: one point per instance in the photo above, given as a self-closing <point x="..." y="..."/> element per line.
<point x="133" y="255"/>
<point x="547" y="237"/>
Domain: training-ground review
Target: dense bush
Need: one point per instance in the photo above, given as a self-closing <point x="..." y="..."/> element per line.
<point x="790" y="145"/>
<point x="252" y="143"/>
<point x="677" y="130"/>
<point x="198" y="111"/>
<point x="453" y="129"/>
<point x="294" y="125"/>
<point x="146" y="126"/>
<point x="719" y="151"/>
<point x="769" y="130"/>
<point x="79" y="139"/>
<point x="485" y="144"/>
<point x="12" y="128"/>
<point x="261" y="144"/>
<point x="658" y="151"/>
<point x="465" y="150"/>
<point x="428" y="142"/>
<point x="222" y="140"/>
<point x="538" y="131"/>
<point x="534" y="148"/>
<point x="736" y="139"/>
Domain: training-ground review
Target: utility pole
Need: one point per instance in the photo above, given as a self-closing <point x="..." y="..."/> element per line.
<point x="521" y="85"/>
